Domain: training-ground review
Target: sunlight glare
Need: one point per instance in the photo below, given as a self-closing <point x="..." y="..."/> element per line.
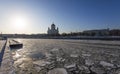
<point x="19" y="23"/>
<point x="17" y="55"/>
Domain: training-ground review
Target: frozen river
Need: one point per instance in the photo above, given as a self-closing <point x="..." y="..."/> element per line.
<point x="45" y="56"/>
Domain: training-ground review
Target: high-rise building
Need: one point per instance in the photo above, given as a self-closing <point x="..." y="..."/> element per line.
<point x="53" y="30"/>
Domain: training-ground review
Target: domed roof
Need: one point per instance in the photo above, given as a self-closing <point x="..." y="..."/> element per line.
<point x="53" y="24"/>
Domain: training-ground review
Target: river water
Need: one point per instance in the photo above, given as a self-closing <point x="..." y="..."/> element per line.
<point x="40" y="56"/>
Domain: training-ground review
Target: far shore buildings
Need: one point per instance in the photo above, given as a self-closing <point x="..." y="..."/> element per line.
<point x="53" y="30"/>
<point x="99" y="32"/>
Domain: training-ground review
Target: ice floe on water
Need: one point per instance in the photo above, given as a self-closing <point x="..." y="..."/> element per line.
<point x="89" y="62"/>
<point x="70" y="66"/>
<point x="106" y="64"/>
<point x="74" y="55"/>
<point x="86" y="55"/>
<point x="65" y="58"/>
<point x="36" y="55"/>
<point x="58" y="71"/>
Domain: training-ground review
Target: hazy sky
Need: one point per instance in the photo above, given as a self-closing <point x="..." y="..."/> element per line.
<point x="35" y="16"/>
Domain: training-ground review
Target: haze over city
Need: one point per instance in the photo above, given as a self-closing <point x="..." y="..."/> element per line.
<point x="35" y="16"/>
<point x="59" y="36"/>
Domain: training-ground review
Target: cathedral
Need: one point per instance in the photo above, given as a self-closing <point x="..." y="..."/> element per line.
<point x="53" y="30"/>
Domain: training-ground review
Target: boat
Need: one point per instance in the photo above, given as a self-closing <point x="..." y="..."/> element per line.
<point x="13" y="44"/>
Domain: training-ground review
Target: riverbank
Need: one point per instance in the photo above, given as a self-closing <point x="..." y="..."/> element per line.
<point x="45" y="36"/>
<point x="6" y="61"/>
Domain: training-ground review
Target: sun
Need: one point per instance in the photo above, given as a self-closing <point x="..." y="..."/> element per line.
<point x="19" y="23"/>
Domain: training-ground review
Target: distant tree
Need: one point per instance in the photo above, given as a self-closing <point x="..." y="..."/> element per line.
<point x="64" y="34"/>
<point x="115" y="32"/>
<point x="79" y="33"/>
<point x="93" y="34"/>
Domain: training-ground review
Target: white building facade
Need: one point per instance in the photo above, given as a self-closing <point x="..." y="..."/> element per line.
<point x="53" y="30"/>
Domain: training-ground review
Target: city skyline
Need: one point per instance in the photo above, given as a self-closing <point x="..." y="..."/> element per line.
<point x="35" y="16"/>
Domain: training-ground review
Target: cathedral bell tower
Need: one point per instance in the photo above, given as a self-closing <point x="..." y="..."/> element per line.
<point x="53" y="26"/>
